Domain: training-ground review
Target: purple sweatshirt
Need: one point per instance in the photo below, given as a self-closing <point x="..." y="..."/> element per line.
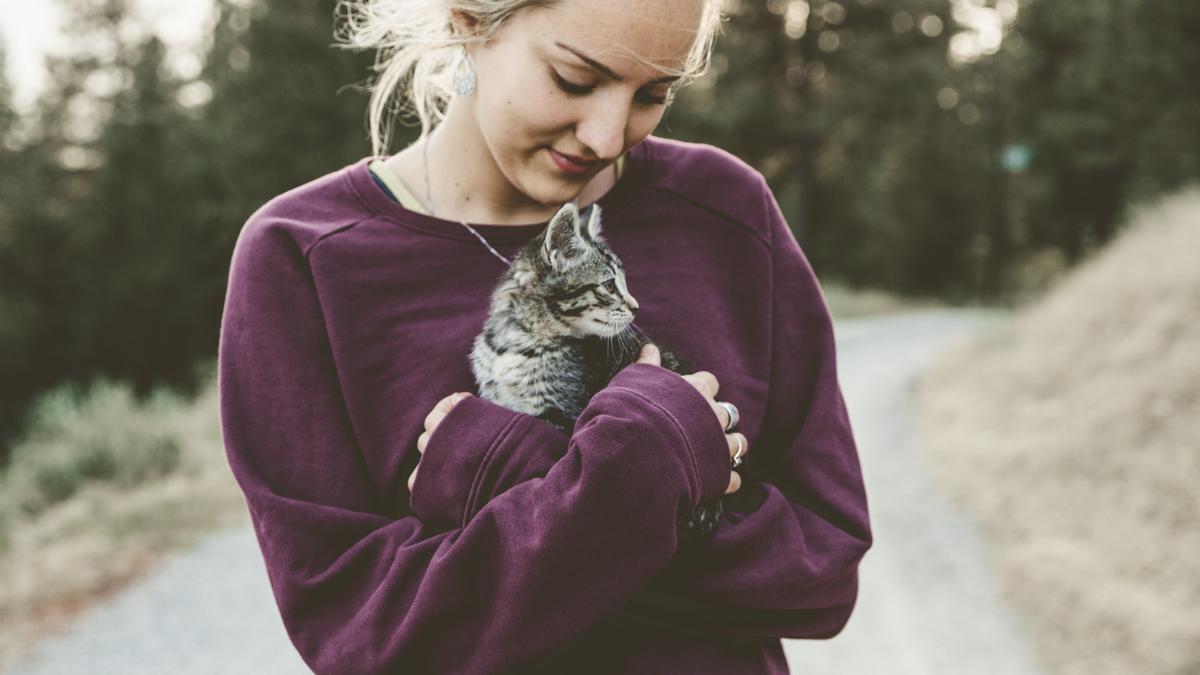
<point x="522" y="549"/>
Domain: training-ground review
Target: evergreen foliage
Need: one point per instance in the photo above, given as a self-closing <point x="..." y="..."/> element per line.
<point x="122" y="192"/>
<point x="117" y="229"/>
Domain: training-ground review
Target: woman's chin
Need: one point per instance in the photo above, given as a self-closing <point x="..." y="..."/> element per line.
<point x="555" y="193"/>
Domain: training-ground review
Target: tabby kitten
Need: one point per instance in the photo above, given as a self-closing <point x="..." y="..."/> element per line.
<point x="559" y="327"/>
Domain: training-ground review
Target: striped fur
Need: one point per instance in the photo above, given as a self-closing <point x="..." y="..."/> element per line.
<point x="560" y="325"/>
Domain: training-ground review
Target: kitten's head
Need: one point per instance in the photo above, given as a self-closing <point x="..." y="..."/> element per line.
<point x="577" y="277"/>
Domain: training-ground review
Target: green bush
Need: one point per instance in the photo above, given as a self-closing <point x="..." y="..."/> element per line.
<point x="101" y="434"/>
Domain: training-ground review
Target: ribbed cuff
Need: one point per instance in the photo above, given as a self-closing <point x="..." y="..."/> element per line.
<point x="699" y="429"/>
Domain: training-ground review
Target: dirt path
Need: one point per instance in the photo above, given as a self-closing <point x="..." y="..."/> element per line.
<point x="927" y="599"/>
<point x="927" y="604"/>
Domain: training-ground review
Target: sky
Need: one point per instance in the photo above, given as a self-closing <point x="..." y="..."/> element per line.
<point x="31" y="28"/>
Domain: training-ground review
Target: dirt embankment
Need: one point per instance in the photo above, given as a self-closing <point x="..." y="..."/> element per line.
<point x="1073" y="434"/>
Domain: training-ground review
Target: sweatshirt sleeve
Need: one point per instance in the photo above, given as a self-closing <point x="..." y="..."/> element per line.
<point x="477" y="451"/>
<point x="363" y="592"/>
<point x="783" y="561"/>
<point x="788" y="567"/>
<point x="481" y="449"/>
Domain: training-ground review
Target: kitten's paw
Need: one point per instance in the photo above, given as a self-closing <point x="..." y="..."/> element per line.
<point x="701" y="521"/>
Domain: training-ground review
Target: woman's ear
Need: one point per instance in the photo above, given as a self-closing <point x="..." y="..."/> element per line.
<point x="462" y="23"/>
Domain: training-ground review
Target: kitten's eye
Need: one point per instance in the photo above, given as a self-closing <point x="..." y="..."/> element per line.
<point x="611" y="286"/>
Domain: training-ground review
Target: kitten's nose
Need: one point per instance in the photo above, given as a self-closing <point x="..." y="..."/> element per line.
<point x="633" y="304"/>
<point x="633" y="310"/>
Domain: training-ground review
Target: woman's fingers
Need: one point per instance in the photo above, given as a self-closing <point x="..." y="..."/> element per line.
<point x="435" y="416"/>
<point x="439" y="411"/>
<point x="443" y="408"/>
<point x="737" y="440"/>
<point x="735" y="483"/>
<point x="705" y="382"/>
<point x="722" y="414"/>
<point x="650" y="354"/>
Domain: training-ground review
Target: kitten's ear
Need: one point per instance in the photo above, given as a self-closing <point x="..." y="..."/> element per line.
<point x="563" y="239"/>
<point x="593" y="226"/>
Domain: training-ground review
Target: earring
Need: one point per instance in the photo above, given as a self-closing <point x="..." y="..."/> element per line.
<point x="464" y="74"/>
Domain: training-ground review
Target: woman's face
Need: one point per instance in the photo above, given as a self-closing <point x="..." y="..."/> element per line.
<point x="536" y="93"/>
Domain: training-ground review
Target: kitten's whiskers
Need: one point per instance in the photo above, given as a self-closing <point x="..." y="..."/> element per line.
<point x="611" y="331"/>
<point x="626" y="340"/>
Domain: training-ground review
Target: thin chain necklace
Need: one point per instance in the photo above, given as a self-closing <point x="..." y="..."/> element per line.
<point x="429" y="197"/>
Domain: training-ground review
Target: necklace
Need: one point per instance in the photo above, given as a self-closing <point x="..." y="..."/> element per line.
<point x="429" y="197"/>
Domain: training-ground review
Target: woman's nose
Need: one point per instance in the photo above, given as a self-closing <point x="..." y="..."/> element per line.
<point x="603" y="129"/>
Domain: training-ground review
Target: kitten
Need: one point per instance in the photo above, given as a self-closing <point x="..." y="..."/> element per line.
<point x="560" y="326"/>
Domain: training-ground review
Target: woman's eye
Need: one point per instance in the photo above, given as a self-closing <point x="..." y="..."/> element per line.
<point x="570" y="87"/>
<point x="651" y="99"/>
<point x="582" y="89"/>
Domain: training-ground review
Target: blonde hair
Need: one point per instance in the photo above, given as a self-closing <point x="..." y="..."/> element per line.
<point x="416" y="51"/>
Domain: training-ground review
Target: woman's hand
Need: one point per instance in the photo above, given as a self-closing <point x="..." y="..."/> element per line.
<point x="706" y="383"/>
<point x="435" y="416"/>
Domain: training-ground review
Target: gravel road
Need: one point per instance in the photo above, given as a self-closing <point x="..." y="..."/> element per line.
<point x="927" y="604"/>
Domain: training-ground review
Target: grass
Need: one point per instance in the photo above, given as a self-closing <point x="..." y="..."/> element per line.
<point x="102" y="488"/>
<point x="1072" y="434"/>
<point x="845" y="302"/>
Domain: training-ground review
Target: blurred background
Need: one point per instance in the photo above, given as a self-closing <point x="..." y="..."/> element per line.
<point x="1033" y="157"/>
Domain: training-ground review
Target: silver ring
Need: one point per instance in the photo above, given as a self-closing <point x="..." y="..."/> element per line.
<point x="734" y="417"/>
<point x="737" y="456"/>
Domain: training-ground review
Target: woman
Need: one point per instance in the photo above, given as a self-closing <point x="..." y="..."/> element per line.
<point x="352" y="305"/>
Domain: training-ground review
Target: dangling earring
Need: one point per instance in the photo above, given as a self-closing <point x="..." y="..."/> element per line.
<point x="464" y="74"/>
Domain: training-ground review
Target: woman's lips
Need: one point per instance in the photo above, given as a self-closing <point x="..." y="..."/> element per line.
<point x="570" y="166"/>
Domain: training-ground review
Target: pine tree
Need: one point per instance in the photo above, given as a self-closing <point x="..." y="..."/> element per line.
<point x="8" y="115"/>
<point x="836" y="103"/>
<point x="1109" y="104"/>
<point x="79" y="215"/>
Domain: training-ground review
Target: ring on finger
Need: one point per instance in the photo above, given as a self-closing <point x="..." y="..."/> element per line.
<point x="734" y="417"/>
<point x="737" y="456"/>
